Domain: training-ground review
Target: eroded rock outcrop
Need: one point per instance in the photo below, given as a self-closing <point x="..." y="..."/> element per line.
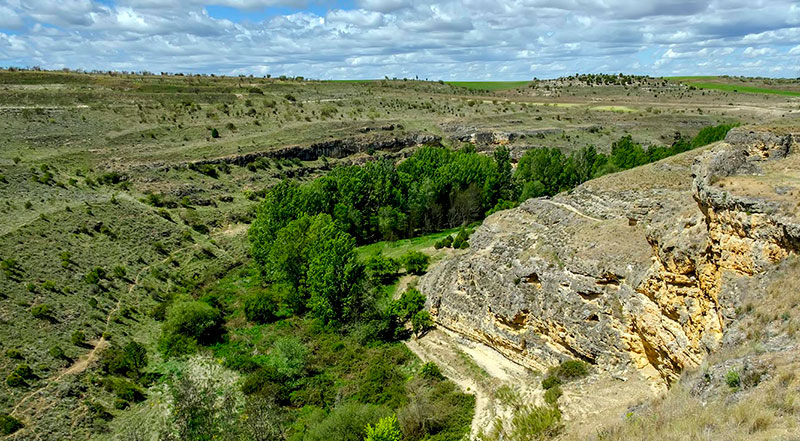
<point x="626" y="270"/>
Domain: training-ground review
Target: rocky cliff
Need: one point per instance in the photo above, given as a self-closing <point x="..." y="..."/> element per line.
<point x="628" y="271"/>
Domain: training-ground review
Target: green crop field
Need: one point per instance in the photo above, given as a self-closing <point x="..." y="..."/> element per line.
<point x="725" y="85"/>
<point x="488" y="85"/>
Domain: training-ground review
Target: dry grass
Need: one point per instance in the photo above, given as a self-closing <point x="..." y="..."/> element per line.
<point x="765" y="406"/>
<point x="766" y="412"/>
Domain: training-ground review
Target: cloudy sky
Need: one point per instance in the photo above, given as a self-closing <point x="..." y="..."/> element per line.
<point x="466" y="39"/>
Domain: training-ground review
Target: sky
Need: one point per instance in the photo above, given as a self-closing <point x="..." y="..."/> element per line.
<point x="447" y="40"/>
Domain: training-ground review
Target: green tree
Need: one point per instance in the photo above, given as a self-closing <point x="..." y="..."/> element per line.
<point x="334" y="276"/>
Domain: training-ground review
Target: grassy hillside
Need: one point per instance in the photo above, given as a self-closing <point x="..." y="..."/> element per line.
<point x="121" y="194"/>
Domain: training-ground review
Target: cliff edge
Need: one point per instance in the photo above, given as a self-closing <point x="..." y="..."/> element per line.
<point x="632" y="272"/>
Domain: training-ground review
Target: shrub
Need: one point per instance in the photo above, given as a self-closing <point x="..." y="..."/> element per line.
<point x="550" y="382"/>
<point x="445" y="242"/>
<point x="15" y="380"/>
<point x="124" y="389"/>
<point x="421" y="323"/>
<point x="206" y="169"/>
<point x="382" y="269"/>
<point x="552" y="395"/>
<point x="415" y="262"/>
<point x="94" y="276"/>
<point x="9" y="424"/>
<point x="409" y="304"/>
<point x="288" y="357"/>
<point x="78" y="338"/>
<point x="120" y="272"/>
<point x="732" y="379"/>
<point x="214" y="133"/>
<point x="14" y="353"/>
<point x="346" y="422"/>
<point x="386" y="429"/>
<point x="460" y="241"/>
<point x="431" y="371"/>
<point x="260" y="307"/>
<point x="57" y="352"/>
<point x="41" y="311"/>
<point x="129" y="360"/>
<point x="191" y="320"/>
<point x="570" y="370"/>
<point x="535" y="423"/>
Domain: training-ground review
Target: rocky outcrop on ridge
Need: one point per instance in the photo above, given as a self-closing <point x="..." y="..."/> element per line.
<point x="626" y="271"/>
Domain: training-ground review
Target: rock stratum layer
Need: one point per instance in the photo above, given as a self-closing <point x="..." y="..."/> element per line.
<point x="627" y="270"/>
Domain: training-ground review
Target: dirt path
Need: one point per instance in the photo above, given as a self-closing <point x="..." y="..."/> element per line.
<point x="478" y="370"/>
<point x="85" y="361"/>
<point x="572" y="209"/>
<point x="586" y="405"/>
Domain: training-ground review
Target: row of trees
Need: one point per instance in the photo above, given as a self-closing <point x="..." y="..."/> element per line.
<point x="546" y="172"/>
<point x="434" y="189"/>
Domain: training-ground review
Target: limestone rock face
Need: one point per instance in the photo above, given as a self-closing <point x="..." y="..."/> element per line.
<point x="624" y="271"/>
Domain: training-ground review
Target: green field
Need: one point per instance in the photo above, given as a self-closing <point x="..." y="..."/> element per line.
<point x="488" y="85"/>
<point x="396" y="249"/>
<point x="704" y="82"/>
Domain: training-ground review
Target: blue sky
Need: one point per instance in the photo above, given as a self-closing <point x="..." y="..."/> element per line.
<point x="450" y="40"/>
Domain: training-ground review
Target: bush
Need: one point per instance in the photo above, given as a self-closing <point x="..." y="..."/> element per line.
<point x="552" y="395"/>
<point x="24" y="371"/>
<point x="41" y="311"/>
<point x="382" y="269"/>
<point x="445" y="242"/>
<point x="386" y="429"/>
<point x="732" y="379"/>
<point x="214" y="133"/>
<point x="570" y="370"/>
<point x="14" y="353"/>
<point x="460" y="242"/>
<point x="94" y="276"/>
<point x="189" y="321"/>
<point x="120" y="272"/>
<point x="421" y="323"/>
<point x="78" y="338"/>
<point x="550" y="382"/>
<point x="536" y="423"/>
<point x="415" y="262"/>
<point x="15" y="380"/>
<point x="129" y="360"/>
<point x="346" y="422"/>
<point x="260" y="307"/>
<point x="124" y="389"/>
<point x="57" y="352"/>
<point x="9" y="424"/>
<point x="409" y="304"/>
<point x="431" y="371"/>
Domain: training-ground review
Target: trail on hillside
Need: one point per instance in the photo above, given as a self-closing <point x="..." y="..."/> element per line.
<point x="572" y="209"/>
<point x="477" y="370"/>
<point x="86" y="360"/>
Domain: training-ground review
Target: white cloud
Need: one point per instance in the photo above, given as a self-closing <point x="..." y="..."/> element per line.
<point x="752" y="52"/>
<point x="477" y="39"/>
